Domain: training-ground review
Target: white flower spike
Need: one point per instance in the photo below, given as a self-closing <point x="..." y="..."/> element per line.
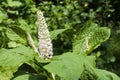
<point x="45" y="48"/>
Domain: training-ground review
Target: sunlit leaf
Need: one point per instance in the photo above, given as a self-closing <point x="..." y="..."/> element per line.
<point x="13" y="44"/>
<point x="12" y="59"/>
<point x="13" y="36"/>
<point x="2" y="16"/>
<point x="12" y="3"/>
<point x="99" y="36"/>
<point x="90" y="37"/>
<point x="68" y="66"/>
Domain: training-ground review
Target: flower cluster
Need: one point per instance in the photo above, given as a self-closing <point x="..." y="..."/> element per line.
<point x="45" y="45"/>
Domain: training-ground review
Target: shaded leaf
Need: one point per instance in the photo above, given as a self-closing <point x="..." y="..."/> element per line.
<point x="55" y="33"/>
<point x="92" y="73"/>
<point x="106" y="75"/>
<point x="31" y="77"/>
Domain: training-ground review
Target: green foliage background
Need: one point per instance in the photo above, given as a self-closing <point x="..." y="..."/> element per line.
<point x="72" y="23"/>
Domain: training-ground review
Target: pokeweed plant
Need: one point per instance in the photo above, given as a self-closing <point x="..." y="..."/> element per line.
<point x="73" y="65"/>
<point x="78" y="64"/>
<point x="19" y="62"/>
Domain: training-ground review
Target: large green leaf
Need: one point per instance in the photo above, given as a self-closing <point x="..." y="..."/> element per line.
<point x="12" y="59"/>
<point x="90" y="37"/>
<point x="68" y="66"/>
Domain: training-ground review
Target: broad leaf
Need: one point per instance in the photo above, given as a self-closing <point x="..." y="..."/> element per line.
<point x="79" y="43"/>
<point x="106" y="75"/>
<point x="92" y="73"/>
<point x="89" y="65"/>
<point x="99" y="36"/>
<point x="89" y="38"/>
<point x="11" y="59"/>
<point x="68" y="66"/>
<point x="13" y="36"/>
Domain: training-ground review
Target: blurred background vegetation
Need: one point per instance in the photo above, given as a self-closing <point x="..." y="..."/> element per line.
<point x="19" y="16"/>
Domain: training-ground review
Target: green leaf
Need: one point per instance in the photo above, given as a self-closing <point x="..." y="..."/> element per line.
<point x="84" y="33"/>
<point x="23" y="24"/>
<point x="89" y="65"/>
<point x="106" y="75"/>
<point x="2" y="16"/>
<point x="30" y="77"/>
<point x="13" y="44"/>
<point x="90" y="60"/>
<point x="12" y="3"/>
<point x="91" y="73"/>
<point x="55" y="33"/>
<point x="13" y="12"/>
<point x="99" y="36"/>
<point x="97" y="74"/>
<point x="13" y="36"/>
<point x="12" y="59"/>
<point x="68" y="66"/>
<point x="89" y="38"/>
